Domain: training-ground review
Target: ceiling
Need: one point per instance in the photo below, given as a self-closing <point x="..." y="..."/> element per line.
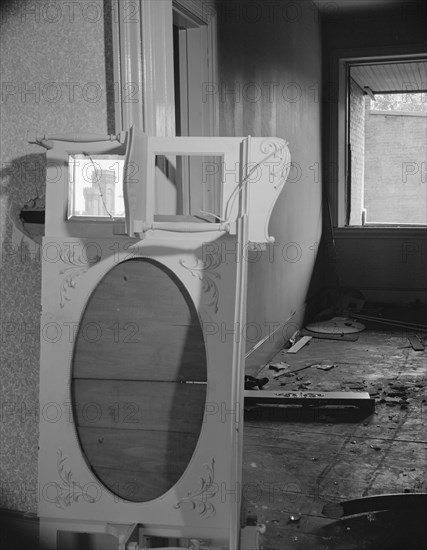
<point x="391" y="76"/>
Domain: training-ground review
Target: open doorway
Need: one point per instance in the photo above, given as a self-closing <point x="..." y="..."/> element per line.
<point x="192" y="183"/>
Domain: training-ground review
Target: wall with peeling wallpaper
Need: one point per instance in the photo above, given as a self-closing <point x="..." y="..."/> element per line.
<point x="53" y="69"/>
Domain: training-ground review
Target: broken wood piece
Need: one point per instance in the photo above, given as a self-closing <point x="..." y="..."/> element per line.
<point x="361" y="400"/>
<point x="301" y="343"/>
<point x="415" y="342"/>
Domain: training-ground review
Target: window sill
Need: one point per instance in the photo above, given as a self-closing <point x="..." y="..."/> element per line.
<point x="396" y="232"/>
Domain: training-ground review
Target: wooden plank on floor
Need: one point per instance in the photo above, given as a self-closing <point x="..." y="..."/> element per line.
<point x="310" y="398"/>
<point x="415" y="342"/>
<point x="300" y="344"/>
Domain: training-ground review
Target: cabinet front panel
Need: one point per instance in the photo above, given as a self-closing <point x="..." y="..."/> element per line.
<point x="139" y="380"/>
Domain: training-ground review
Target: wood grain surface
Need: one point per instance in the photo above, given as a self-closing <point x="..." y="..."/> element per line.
<point x="139" y="380"/>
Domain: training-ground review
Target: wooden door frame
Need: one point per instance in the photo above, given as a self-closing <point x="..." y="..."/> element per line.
<point x="143" y="65"/>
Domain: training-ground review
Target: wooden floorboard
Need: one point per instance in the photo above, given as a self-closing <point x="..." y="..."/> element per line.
<point x="297" y="461"/>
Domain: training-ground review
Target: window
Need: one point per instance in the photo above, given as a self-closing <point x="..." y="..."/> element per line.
<point x="382" y="167"/>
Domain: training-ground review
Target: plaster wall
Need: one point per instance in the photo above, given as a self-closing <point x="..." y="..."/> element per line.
<point x="270" y="83"/>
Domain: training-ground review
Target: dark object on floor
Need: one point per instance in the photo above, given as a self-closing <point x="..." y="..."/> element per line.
<point x="359" y="400"/>
<point x="382" y="530"/>
<point x="398" y="501"/>
<point x="251" y="382"/>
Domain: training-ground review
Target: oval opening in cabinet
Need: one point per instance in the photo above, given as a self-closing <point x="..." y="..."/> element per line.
<point x="139" y="380"/>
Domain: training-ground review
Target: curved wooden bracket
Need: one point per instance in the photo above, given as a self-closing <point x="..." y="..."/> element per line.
<point x="269" y="164"/>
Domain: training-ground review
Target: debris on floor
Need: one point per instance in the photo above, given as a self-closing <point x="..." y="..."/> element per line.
<point x="279" y="368"/>
<point x="324" y="366"/>
<point x="279" y="373"/>
<point x="354" y="385"/>
<point x="315" y="454"/>
<point x="252" y="383"/>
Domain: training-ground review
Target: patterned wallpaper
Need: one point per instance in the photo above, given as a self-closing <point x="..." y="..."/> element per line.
<point x="53" y="64"/>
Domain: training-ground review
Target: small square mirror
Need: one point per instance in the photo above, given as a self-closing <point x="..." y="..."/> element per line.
<point x="96" y="187"/>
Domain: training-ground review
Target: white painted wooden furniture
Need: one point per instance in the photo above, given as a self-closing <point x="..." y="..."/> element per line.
<point x="88" y="261"/>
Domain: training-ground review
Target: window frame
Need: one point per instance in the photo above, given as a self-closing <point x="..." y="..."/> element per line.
<point x="338" y="132"/>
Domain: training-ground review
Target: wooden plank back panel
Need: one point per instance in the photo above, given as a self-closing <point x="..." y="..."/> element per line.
<point x="139" y="405"/>
<point x="161" y="352"/>
<point x="140" y="325"/>
<point x="137" y="465"/>
<point x="141" y="282"/>
<point x="139" y="339"/>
